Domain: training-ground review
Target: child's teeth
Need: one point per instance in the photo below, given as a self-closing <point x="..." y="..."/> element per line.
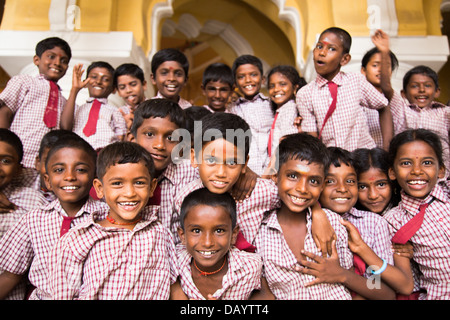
<point x="70" y="188"/>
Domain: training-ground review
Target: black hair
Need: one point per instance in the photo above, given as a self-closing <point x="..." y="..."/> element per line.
<point x="49" y="139"/>
<point x="170" y="54"/>
<point x="218" y="72"/>
<point x="302" y="146"/>
<point x="128" y="69"/>
<point x="158" y="108"/>
<point x="228" y="126"/>
<point x="291" y="74"/>
<point x="339" y="156"/>
<point x="194" y="113"/>
<point x="100" y="64"/>
<point x="50" y="43"/>
<point x="246" y="59"/>
<point x="365" y="159"/>
<point x="13" y="140"/>
<point x="369" y="54"/>
<point x="122" y="152"/>
<point x="410" y="135"/>
<point x="72" y="142"/>
<point x="205" y="197"/>
<point x="424" y="70"/>
<point x="343" y="35"/>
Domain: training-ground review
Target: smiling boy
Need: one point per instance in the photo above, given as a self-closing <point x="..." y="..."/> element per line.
<point x="31" y="106"/>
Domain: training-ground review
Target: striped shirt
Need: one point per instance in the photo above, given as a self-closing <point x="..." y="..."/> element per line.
<point x="259" y="116"/>
<point x="347" y="127"/>
<point x="27" y="96"/>
<point x="374" y="231"/>
<point x="373" y="121"/>
<point x="110" y="126"/>
<point x="279" y="261"/>
<point x="284" y="124"/>
<point x="243" y="276"/>
<point x="431" y="242"/>
<point x="25" y="246"/>
<point x="92" y="262"/>
<point x="250" y="212"/>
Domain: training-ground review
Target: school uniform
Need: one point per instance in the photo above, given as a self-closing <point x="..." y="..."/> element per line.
<point x="431" y="242"/>
<point x="250" y="212"/>
<point x="26" y="245"/>
<point x="259" y="116"/>
<point x="92" y="262"/>
<point x="242" y="278"/>
<point x="27" y="97"/>
<point x="374" y="231"/>
<point x="373" y="122"/>
<point x="279" y="261"/>
<point x="347" y="126"/>
<point x="110" y="124"/>
<point x="30" y="177"/>
<point x="183" y="103"/>
<point x="283" y="124"/>
<point x="171" y="182"/>
<point x="435" y="117"/>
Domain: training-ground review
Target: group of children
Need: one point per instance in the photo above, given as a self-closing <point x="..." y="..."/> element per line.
<point x="318" y="191"/>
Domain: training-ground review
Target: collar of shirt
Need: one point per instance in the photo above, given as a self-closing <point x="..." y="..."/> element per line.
<point x="434" y="105"/>
<point x="42" y="77"/>
<point x="170" y="173"/>
<point x="90" y="206"/>
<point x="338" y="79"/>
<point x="412" y="204"/>
<point x="354" y="212"/>
<point x="101" y="100"/>
<point x="258" y="96"/>
<point x="272" y="220"/>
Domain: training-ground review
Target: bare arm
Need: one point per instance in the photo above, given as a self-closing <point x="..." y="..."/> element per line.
<point x="386" y="126"/>
<point x="67" y="116"/>
<point x="381" y="40"/>
<point x="6" y="116"/>
<point x="8" y="281"/>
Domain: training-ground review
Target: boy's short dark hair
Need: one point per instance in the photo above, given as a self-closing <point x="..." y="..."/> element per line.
<point x="223" y="123"/>
<point x="424" y="70"/>
<point x="302" y="146"/>
<point x="73" y="142"/>
<point x="194" y="113"/>
<point x="100" y="64"/>
<point x="205" y="197"/>
<point x="13" y="140"/>
<point x="122" y="152"/>
<point x="51" y="137"/>
<point x="246" y="59"/>
<point x="368" y="55"/>
<point x="342" y="34"/>
<point x="158" y="108"/>
<point x="50" y="43"/>
<point x="339" y="156"/>
<point x="129" y="69"/>
<point x="170" y="54"/>
<point x="218" y="72"/>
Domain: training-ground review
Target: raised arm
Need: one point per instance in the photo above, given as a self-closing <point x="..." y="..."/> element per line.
<point x="67" y="116"/>
<point x="381" y="40"/>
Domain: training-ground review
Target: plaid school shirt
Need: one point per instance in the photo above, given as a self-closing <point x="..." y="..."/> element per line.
<point x="92" y="262"/>
<point x="183" y="103"/>
<point x="30" y="177"/>
<point x="279" y="261"/>
<point x="374" y="231"/>
<point x="347" y="127"/>
<point x="373" y="121"/>
<point x="259" y="116"/>
<point x="110" y="126"/>
<point x="242" y="278"/>
<point x="26" y="245"/>
<point x="27" y="96"/>
<point x="435" y="118"/>
<point x="284" y="124"/>
<point x="431" y="242"/>
<point x="25" y="199"/>
<point x="250" y="212"/>
<point x="172" y="181"/>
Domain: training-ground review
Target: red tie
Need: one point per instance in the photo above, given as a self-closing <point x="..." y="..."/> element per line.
<point x="155" y="200"/>
<point x="410" y="228"/>
<point x="65" y="225"/>
<point x="91" y="125"/>
<point x="243" y="244"/>
<point x="51" y="111"/>
<point x="333" y="90"/>
<point x="269" y="146"/>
